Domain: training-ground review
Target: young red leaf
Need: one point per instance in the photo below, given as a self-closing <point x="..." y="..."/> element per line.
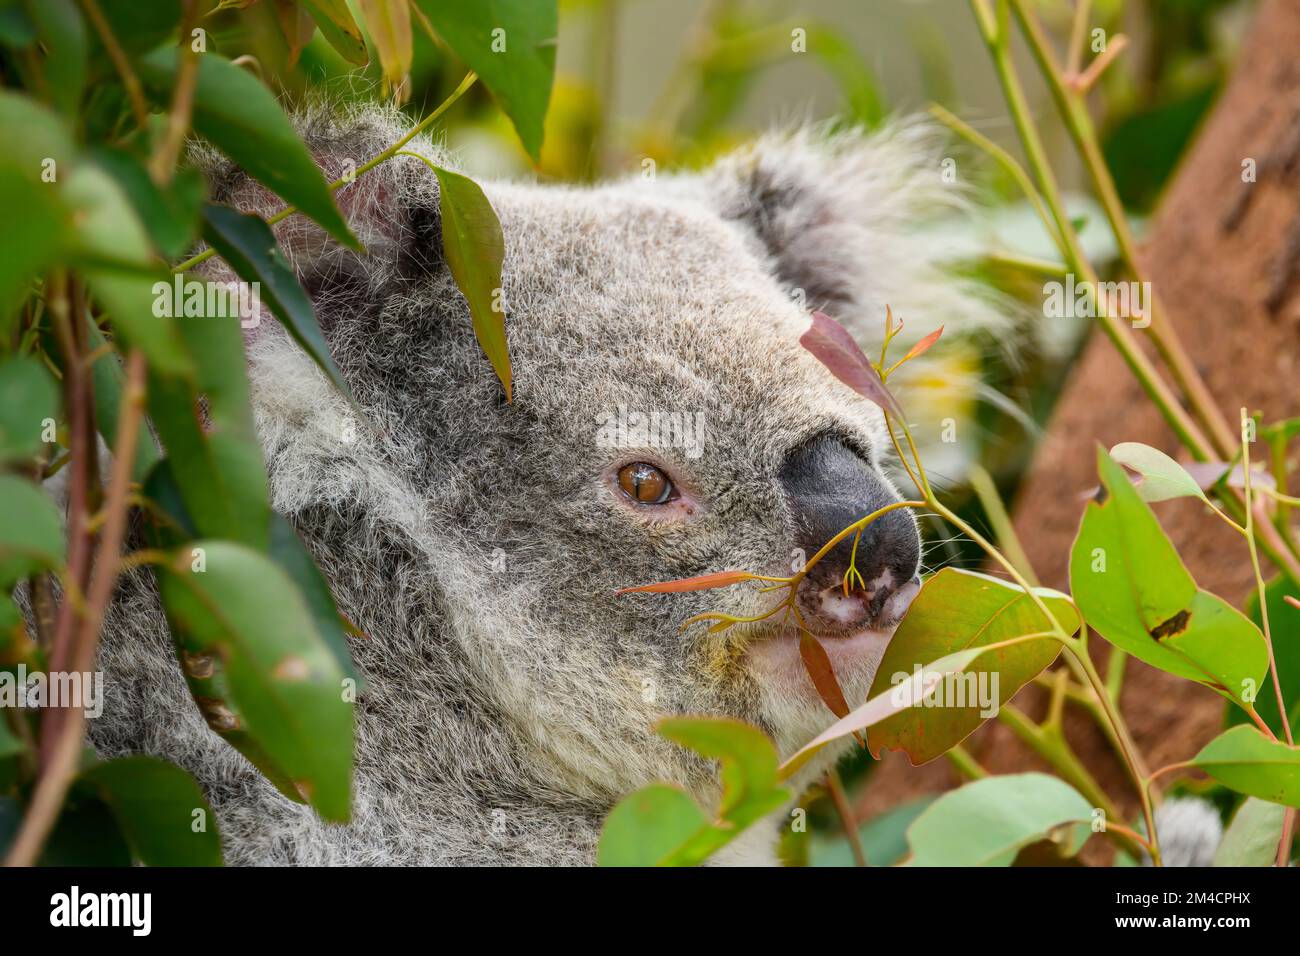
<point x="1207" y="474"/>
<point x="832" y="345"/>
<point x="719" y="579"/>
<point x="818" y="664"/>
<point x="922" y="345"/>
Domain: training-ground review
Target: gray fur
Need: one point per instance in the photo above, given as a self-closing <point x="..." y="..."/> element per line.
<point x="507" y="711"/>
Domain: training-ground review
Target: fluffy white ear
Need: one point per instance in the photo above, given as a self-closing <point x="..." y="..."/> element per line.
<point x="848" y="221"/>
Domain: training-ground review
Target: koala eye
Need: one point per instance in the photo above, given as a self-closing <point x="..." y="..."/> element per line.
<point x="645" y="483"/>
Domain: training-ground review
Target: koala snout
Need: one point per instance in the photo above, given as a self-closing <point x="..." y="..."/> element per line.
<point x="830" y="486"/>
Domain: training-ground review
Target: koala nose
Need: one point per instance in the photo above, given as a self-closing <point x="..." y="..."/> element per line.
<point x="829" y="487"/>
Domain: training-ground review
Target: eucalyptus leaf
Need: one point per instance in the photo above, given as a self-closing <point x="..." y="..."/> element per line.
<point x="29" y="398"/>
<point x="645" y="828"/>
<point x="242" y="118"/>
<point x="340" y="30"/>
<point x="1162" y="478"/>
<point x="31" y="531"/>
<point x="475" y="251"/>
<point x="160" y="810"/>
<point x="987" y="822"/>
<point x="957" y="610"/>
<point x="1133" y="588"/>
<point x="1253" y="835"/>
<point x="249" y="247"/>
<point x="1244" y="760"/>
<point x="510" y="44"/>
<point x="240" y="622"/>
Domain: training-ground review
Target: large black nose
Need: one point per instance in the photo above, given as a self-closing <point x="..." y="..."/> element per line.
<point x="830" y="486"/>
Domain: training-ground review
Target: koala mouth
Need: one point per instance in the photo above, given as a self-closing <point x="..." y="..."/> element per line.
<point x="854" y="641"/>
<point x="835" y="614"/>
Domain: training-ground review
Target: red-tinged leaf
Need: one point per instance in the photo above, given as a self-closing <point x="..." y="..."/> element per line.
<point x="923" y="345"/>
<point x="719" y="579"/>
<point x="1290" y="600"/>
<point x="898" y="698"/>
<point x="832" y="345"/>
<point x="1208" y="473"/>
<point x="818" y="664"/>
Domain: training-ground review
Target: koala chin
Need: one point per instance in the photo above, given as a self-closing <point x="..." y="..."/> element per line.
<point x="665" y="422"/>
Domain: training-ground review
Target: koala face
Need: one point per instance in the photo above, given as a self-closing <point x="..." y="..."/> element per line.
<point x="665" y="423"/>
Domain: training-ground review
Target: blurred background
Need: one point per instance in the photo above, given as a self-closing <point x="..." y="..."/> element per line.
<point x="682" y="81"/>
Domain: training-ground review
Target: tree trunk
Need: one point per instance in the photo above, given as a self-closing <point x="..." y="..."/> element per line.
<point x="1224" y="256"/>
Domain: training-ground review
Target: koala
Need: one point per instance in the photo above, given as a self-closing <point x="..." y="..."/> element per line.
<point x="664" y="423"/>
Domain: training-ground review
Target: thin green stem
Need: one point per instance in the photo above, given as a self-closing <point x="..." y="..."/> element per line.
<point x="1128" y="750"/>
<point x="1073" y="108"/>
<point x="965" y="763"/>
<point x="997" y="41"/>
<point x="986" y="491"/>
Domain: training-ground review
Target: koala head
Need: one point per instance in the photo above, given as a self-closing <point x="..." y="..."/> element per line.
<point x="665" y="423"/>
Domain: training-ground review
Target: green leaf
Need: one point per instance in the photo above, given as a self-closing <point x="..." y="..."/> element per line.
<point x="131" y="301"/>
<point x="1162" y="477"/>
<point x="155" y="804"/>
<point x="660" y="825"/>
<point x="169" y="214"/>
<point x="108" y="232"/>
<point x="28" y="397"/>
<point x="1132" y="587"/>
<point x="85" y="835"/>
<point x="987" y="822"/>
<point x="16" y="27"/>
<point x="63" y="34"/>
<point x="137" y="26"/>
<point x="389" y="23"/>
<point x="249" y="247"/>
<point x="475" y="250"/>
<point x="109" y="382"/>
<point x="217" y="465"/>
<point x="35" y="146"/>
<point x="1245" y="760"/>
<point x="645" y="828"/>
<point x="749" y="762"/>
<point x="954" y="611"/>
<point x="31" y="531"/>
<point x="520" y="75"/>
<point x="339" y="29"/>
<point x="288" y="551"/>
<point x="883" y="838"/>
<point x="242" y="119"/>
<point x="898" y="698"/>
<point x="243" y="629"/>
<point x="1253" y="835"/>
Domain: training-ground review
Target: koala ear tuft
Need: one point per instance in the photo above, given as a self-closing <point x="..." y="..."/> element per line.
<point x="392" y="208"/>
<point x="842" y="218"/>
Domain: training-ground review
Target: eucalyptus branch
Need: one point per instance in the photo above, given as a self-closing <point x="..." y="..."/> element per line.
<point x="130" y="82"/>
<point x="61" y="768"/>
<point x="835" y="787"/>
<point x="163" y="165"/>
<point x="1288" y="819"/>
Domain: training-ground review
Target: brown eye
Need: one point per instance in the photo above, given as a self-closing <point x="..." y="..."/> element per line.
<point x="645" y="483"/>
